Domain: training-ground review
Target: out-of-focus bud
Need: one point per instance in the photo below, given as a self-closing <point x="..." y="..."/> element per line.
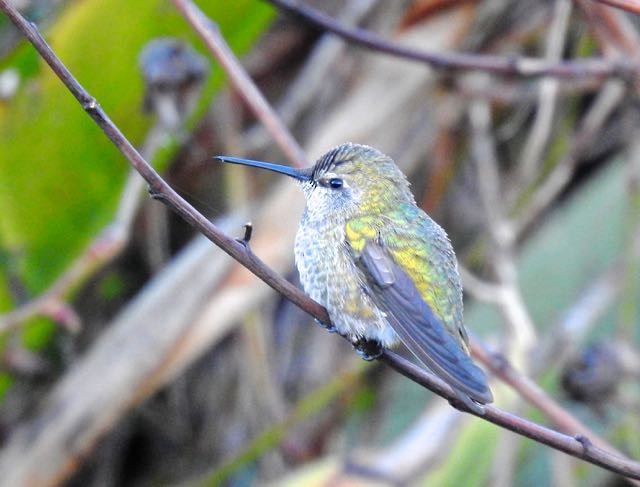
<point x="593" y="376"/>
<point x="173" y="73"/>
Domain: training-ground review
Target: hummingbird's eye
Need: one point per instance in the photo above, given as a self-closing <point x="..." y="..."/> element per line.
<point x="335" y="183"/>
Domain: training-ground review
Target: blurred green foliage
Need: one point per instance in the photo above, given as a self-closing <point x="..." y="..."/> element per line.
<point x="60" y="177"/>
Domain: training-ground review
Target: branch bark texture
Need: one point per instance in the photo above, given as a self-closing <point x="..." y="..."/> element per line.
<point x="579" y="447"/>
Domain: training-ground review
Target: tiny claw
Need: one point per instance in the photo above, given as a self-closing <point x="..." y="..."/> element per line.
<point x="327" y="326"/>
<point x="463" y="403"/>
<point x="368" y="349"/>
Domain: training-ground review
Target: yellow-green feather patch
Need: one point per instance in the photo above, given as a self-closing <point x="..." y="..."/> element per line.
<point x="359" y="230"/>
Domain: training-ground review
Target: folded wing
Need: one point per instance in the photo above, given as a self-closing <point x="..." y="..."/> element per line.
<point x="421" y="331"/>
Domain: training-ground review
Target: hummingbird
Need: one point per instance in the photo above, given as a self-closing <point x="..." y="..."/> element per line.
<point x="383" y="269"/>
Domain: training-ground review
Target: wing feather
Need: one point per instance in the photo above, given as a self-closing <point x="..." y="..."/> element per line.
<point x="419" y="328"/>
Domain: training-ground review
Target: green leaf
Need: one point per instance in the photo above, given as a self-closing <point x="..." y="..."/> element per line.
<point x="60" y="178"/>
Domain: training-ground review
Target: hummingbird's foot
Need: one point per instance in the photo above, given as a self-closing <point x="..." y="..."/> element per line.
<point x="155" y="194"/>
<point x="368" y="349"/>
<point x="463" y="403"/>
<point x="327" y="326"/>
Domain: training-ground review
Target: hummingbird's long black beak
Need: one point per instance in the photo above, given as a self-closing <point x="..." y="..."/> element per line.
<point x="298" y="174"/>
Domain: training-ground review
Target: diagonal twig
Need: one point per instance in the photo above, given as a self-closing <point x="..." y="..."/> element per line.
<point x="520" y="66"/>
<point x="579" y="447"/>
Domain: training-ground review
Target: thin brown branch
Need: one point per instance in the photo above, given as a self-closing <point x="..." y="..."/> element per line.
<point x="589" y="307"/>
<point x="579" y="447"/>
<point x="210" y="34"/>
<point x="519" y="66"/>
<point x="157" y="186"/>
<point x="534" y="395"/>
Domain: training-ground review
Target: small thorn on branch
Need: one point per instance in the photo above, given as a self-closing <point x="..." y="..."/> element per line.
<point x="248" y="231"/>
<point x="585" y="442"/>
<point x="90" y="105"/>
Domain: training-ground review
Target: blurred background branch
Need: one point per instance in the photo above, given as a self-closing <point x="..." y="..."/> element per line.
<point x="160" y="190"/>
<point x="489" y="64"/>
<point x="632" y="6"/>
<point x="240" y="365"/>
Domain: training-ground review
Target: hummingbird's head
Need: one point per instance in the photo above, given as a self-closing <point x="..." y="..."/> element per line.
<point x="353" y="178"/>
<point x="348" y="179"/>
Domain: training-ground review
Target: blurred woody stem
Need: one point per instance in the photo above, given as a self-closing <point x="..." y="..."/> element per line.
<point x="632" y="6"/>
<point x="210" y="34"/>
<point x="110" y="242"/>
<point x="107" y="245"/>
<point x="579" y="446"/>
<point x="503" y="65"/>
